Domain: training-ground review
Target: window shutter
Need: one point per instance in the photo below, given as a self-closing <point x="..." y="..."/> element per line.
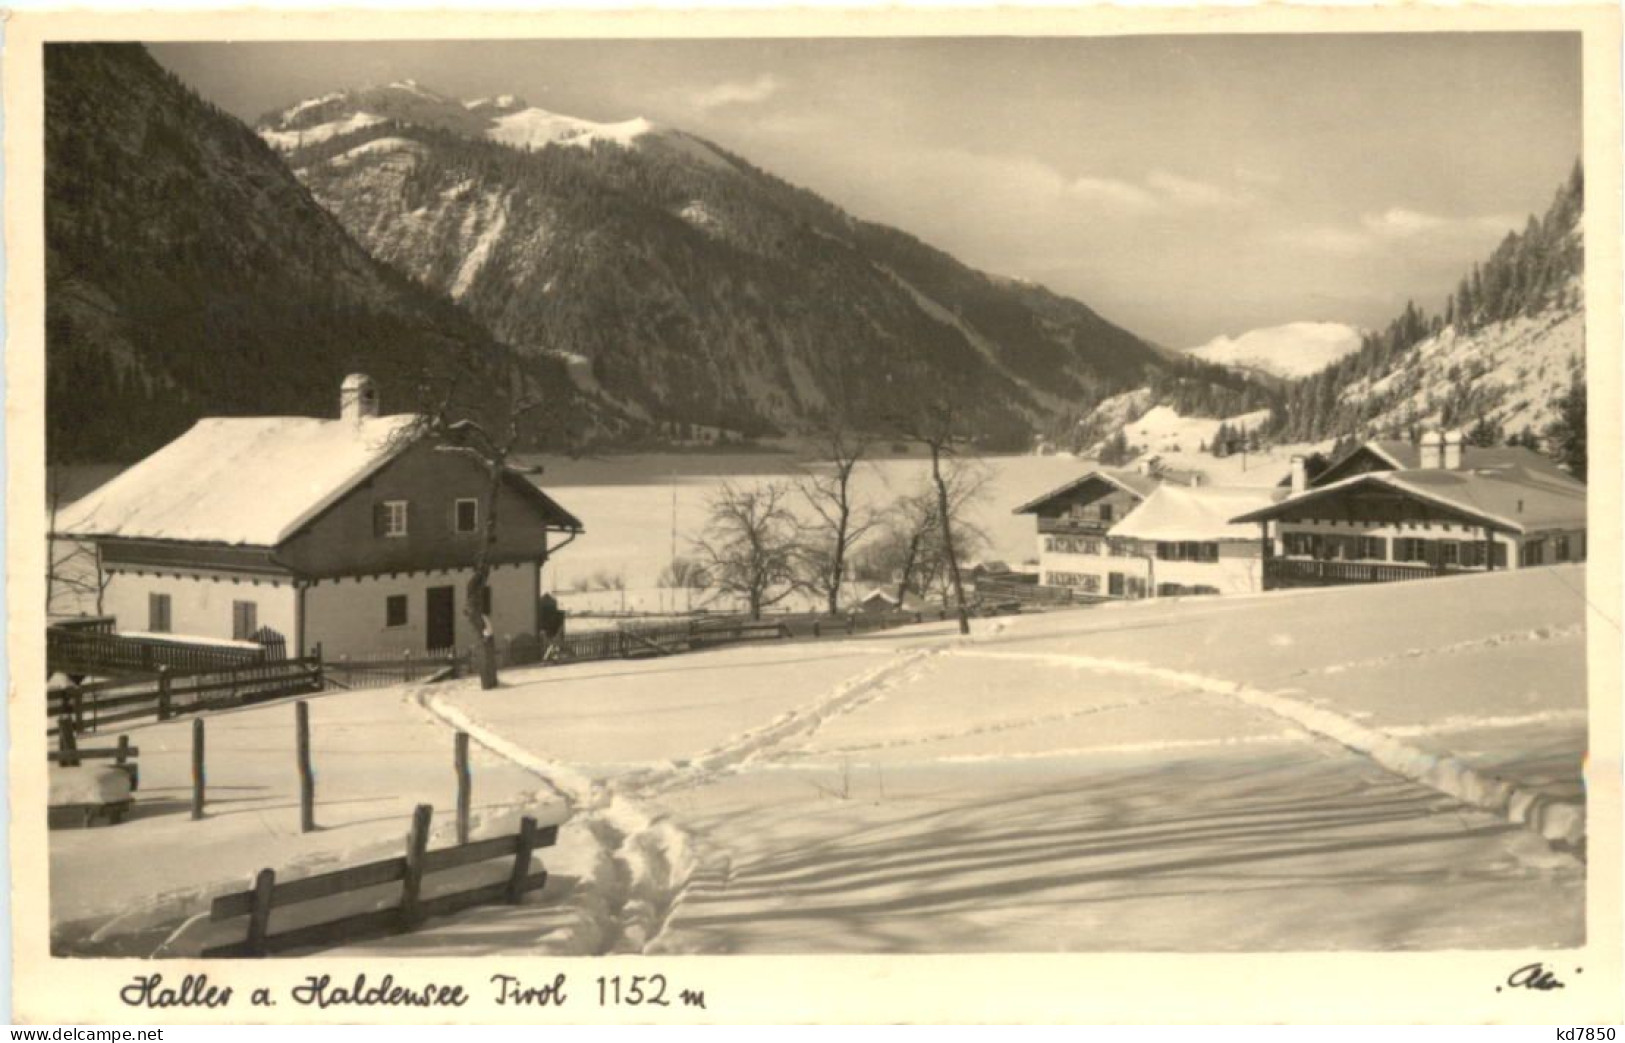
<point x="380" y="519"/>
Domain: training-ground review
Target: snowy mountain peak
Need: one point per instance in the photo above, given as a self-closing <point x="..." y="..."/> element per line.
<point x="500" y="103"/>
<point x="505" y="118"/>
<point x="1293" y="350"/>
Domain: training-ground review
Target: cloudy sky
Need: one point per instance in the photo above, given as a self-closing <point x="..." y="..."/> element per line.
<point x="1182" y="186"/>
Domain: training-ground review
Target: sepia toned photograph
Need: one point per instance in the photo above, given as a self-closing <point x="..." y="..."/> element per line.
<point x="639" y="498"/>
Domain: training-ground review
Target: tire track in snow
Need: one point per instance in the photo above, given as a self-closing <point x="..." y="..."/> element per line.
<point x="1557" y="821"/>
<point x="648" y="861"/>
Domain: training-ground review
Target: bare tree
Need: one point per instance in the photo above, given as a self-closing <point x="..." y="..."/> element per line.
<point x="683" y="573"/>
<point x="750" y="546"/>
<point x="933" y="422"/>
<point x="904" y="532"/>
<point x="481" y="405"/>
<point x="493" y="450"/>
<point x="841" y="522"/>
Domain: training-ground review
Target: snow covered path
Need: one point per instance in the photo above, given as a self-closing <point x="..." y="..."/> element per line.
<point x="1055" y="784"/>
<point x="1289" y="771"/>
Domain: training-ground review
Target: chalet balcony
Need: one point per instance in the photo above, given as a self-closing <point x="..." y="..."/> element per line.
<point x="1072" y="526"/>
<point x="1282" y="573"/>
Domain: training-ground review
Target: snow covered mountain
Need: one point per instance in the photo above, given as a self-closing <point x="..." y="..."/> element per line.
<point x="506" y="119"/>
<point x="189" y="274"/>
<point x="702" y="289"/>
<point x="1296" y="349"/>
<point x="1494" y="359"/>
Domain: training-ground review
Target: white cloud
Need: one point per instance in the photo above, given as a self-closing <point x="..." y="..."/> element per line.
<point x="737" y="92"/>
<point x="1112" y="194"/>
<point x="1379" y="230"/>
<point x="1193" y="193"/>
<point x="1399" y="223"/>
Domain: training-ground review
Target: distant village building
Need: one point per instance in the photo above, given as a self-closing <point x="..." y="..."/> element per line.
<point x="879" y="601"/>
<point x="354" y="533"/>
<point x="1390" y="511"/>
<point x="1181" y="541"/>
<point x="1115" y="533"/>
<point x="1073" y="520"/>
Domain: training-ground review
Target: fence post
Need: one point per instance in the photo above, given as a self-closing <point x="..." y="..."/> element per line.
<point x="163" y="693"/>
<point x="417" y="845"/>
<point x="76" y="706"/>
<point x="197" y="768"/>
<point x="818" y="629"/>
<point x="464" y="786"/>
<point x="307" y="776"/>
<point x="259" y="914"/>
<point x="66" y="742"/>
<point x="521" y="860"/>
<point x="851" y="622"/>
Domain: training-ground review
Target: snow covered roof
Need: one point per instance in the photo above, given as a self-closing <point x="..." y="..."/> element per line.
<point x="1140" y="485"/>
<point x="1174" y="513"/>
<point x="250" y="481"/>
<point x="1405" y="456"/>
<point x="1510" y="497"/>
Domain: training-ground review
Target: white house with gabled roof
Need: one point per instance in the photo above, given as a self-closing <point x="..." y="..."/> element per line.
<point x="353" y="533"/>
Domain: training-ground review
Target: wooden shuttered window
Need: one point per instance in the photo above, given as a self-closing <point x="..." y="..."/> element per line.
<point x="245" y="620"/>
<point x="158" y="613"/>
<point x="391" y="517"/>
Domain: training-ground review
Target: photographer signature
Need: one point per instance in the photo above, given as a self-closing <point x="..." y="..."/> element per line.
<point x="1534" y="976"/>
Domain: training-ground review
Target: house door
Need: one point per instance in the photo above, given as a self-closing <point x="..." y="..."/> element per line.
<point x="440" y="618"/>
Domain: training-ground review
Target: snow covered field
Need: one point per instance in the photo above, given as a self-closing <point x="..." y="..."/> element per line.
<point x="1332" y="769"/>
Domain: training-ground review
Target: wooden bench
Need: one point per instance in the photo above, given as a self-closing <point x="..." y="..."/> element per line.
<point x="68" y="755"/>
<point x="409" y="870"/>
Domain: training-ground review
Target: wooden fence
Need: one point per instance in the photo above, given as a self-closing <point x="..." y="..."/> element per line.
<point x="83" y="650"/>
<point x="408" y="870"/>
<point x="159" y="698"/>
<point x="389" y="668"/>
<point x="1281" y="573"/>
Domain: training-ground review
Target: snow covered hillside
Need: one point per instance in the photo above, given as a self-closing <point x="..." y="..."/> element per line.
<point x="1296" y="349"/>
<point x="1160" y="429"/>
<point x="1509" y="373"/>
<point x="1183" y="774"/>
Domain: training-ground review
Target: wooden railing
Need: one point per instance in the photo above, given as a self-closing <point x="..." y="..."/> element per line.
<point x="165" y="696"/>
<point x="1027" y="593"/>
<point x="1072" y="526"/>
<point x="408" y="870"/>
<point x="80" y="651"/>
<point x="1304" y="572"/>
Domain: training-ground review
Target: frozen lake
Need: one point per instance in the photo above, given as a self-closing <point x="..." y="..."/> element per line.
<point x="640" y="510"/>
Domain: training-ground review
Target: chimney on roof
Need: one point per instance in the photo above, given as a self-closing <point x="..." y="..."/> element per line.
<point x="1300" y="474"/>
<point x="358" y="398"/>
<point x="1432" y="450"/>
<point x="1452" y="450"/>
